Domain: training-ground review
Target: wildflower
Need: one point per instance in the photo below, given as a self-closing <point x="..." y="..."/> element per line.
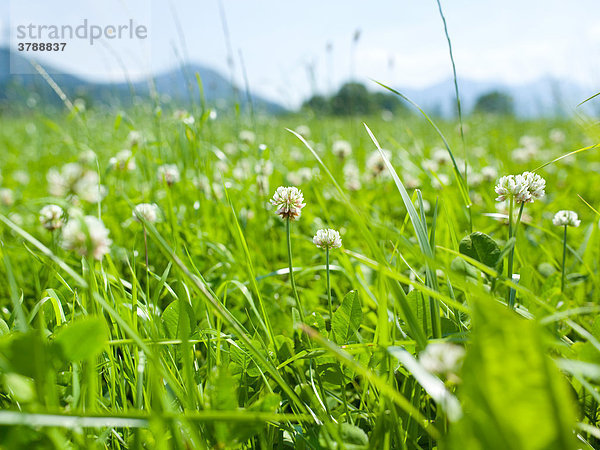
<point x="7" y="197"/>
<point x="52" y="217"/>
<point x="327" y="238"/>
<point x="557" y="136"/>
<point x="247" y="137"/>
<point x="21" y="177"/>
<point x="303" y="131"/>
<point x="169" y="173"/>
<point x="148" y="211"/>
<point x="88" y="187"/>
<point x="289" y="202"/>
<point x="443" y="359"/>
<point x="123" y="161"/>
<point x="430" y="165"/>
<point x="61" y="182"/>
<point x="135" y="138"/>
<point x="566" y="218"/>
<point x="489" y="173"/>
<point x="189" y="120"/>
<point x="441" y="156"/>
<point x="342" y="149"/>
<point x="352" y="177"/>
<point x="523" y="188"/>
<point x="301" y="176"/>
<point x="87" y="157"/>
<point x="86" y="236"/>
<point x="376" y="164"/>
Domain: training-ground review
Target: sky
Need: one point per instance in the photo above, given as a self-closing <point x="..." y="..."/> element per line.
<point x="289" y="50"/>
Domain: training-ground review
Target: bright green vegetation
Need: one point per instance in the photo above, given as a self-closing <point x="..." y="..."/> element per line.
<point x="204" y="347"/>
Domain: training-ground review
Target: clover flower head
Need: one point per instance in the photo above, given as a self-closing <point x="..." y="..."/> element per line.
<point x="376" y="163"/>
<point x="52" y="217"/>
<point x="566" y="218"/>
<point x="327" y="238"/>
<point x="7" y="197"/>
<point x="247" y="137"/>
<point x="342" y="149"/>
<point x="86" y="236"/>
<point x="536" y="185"/>
<point x="123" y="161"/>
<point x="169" y="173"/>
<point x="442" y="359"/>
<point x="524" y="188"/>
<point x="289" y="202"/>
<point x="149" y="211"/>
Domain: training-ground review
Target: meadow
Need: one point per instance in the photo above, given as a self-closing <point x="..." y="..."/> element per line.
<point x="208" y="318"/>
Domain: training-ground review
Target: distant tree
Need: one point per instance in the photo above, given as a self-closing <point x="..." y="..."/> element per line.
<point x="388" y="102"/>
<point x="494" y="102"/>
<point x="352" y="98"/>
<point x="318" y="104"/>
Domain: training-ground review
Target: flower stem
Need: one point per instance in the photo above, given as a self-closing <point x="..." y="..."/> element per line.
<point x="564" y="259"/>
<point x="328" y="288"/>
<point x="511" y="254"/>
<point x="291" y="267"/>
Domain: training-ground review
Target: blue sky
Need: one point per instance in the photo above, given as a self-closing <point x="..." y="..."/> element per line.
<point x="401" y="43"/>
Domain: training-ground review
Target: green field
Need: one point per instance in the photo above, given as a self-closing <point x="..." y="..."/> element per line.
<point x="188" y="331"/>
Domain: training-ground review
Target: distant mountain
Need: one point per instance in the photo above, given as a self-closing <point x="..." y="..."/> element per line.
<point x="177" y="85"/>
<point x="543" y="97"/>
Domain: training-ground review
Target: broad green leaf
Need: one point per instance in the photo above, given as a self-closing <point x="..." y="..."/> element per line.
<point x="3" y="328"/>
<point x="24" y="353"/>
<point x="347" y="319"/>
<point x="82" y="339"/>
<point x="482" y="248"/>
<point x="513" y="395"/>
<point x="170" y="320"/>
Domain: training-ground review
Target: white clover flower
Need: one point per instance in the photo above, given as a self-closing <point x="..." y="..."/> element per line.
<point x="511" y="186"/>
<point x="88" y="187"/>
<point x="213" y="114"/>
<point x="303" y="131"/>
<point x="524" y="154"/>
<point x="557" y="136"/>
<point x="524" y="188"/>
<point x="87" y="157"/>
<point x="52" y="217"/>
<point x="532" y="142"/>
<point x="536" y="185"/>
<point x="61" y="182"/>
<point x="189" y="120"/>
<point x="441" y="156"/>
<point x="301" y="176"/>
<point x="489" y="173"/>
<point x="565" y="218"/>
<point x="123" y="161"/>
<point x="86" y="236"/>
<point x="135" y="138"/>
<point x="430" y="165"/>
<point x="7" y="197"/>
<point x="443" y="359"/>
<point x="289" y="202"/>
<point x="352" y="177"/>
<point x="327" y="238"/>
<point x="149" y="211"/>
<point x="21" y="177"/>
<point x="168" y="173"/>
<point x="247" y="137"/>
<point x="376" y="164"/>
<point x="263" y="167"/>
<point x="342" y="149"/>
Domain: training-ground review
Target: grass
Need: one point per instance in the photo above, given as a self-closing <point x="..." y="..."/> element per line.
<point x="220" y="341"/>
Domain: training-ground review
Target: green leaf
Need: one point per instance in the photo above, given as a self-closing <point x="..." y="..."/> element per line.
<point x="171" y="323"/>
<point x="482" y="248"/>
<point x="82" y="339"/>
<point x="24" y="353"/>
<point x="347" y="318"/>
<point x="316" y="321"/>
<point x="3" y="328"/>
<point x="513" y="395"/>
